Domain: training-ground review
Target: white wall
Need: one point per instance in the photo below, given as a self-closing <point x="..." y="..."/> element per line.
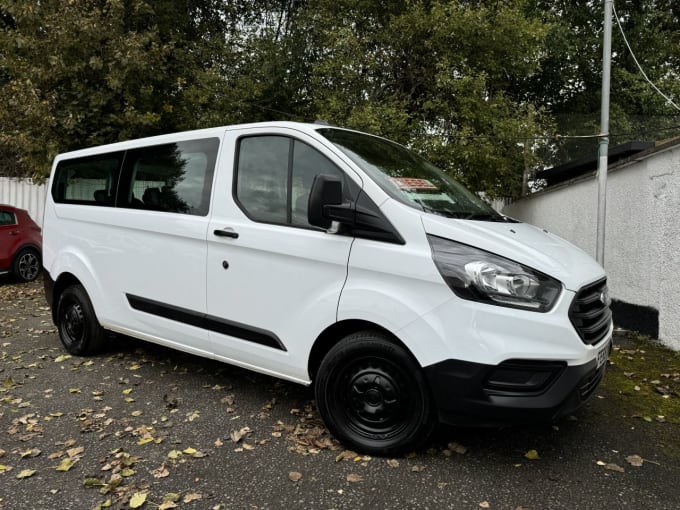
<point x="642" y="232"/>
<point x="24" y="194"/>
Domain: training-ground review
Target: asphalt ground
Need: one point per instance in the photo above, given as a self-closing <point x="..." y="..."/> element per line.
<point x="144" y="426"/>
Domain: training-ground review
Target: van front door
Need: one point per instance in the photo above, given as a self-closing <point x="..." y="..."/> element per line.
<point x="273" y="280"/>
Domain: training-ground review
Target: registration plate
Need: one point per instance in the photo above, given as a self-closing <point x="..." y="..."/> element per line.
<point x="603" y="353"/>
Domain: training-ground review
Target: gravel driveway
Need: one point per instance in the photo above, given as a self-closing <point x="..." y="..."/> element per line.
<point x="145" y="427"/>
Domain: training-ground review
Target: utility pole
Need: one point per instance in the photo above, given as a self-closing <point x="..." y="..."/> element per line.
<point x="603" y="148"/>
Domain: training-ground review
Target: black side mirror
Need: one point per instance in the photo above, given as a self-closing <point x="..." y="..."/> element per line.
<point x="326" y="203"/>
<point x="326" y="190"/>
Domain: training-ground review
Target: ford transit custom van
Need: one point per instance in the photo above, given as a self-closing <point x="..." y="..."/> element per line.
<point x="331" y="258"/>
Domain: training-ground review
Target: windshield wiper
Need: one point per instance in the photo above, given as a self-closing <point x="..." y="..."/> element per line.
<point x="485" y="217"/>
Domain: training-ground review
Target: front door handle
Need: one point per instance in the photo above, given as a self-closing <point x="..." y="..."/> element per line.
<point x="14" y="233"/>
<point x="226" y="232"/>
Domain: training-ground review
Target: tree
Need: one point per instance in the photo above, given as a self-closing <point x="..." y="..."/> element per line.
<point x="76" y="74"/>
<point x="569" y="83"/>
<point x="442" y="77"/>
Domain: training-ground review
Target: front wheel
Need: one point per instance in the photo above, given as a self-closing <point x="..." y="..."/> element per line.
<point x="373" y="396"/>
<point x="79" y="330"/>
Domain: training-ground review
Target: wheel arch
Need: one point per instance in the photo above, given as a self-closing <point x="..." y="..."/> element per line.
<point x="339" y="330"/>
<point x="27" y="246"/>
<point x="64" y="281"/>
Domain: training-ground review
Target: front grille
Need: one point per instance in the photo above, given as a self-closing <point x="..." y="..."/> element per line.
<point x="590" y="313"/>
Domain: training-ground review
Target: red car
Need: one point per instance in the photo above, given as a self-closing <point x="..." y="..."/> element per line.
<point x="20" y="244"/>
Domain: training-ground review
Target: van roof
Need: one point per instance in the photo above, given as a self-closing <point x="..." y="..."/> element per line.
<point x="305" y="127"/>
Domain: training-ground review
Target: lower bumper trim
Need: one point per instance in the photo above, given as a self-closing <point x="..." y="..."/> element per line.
<point x="464" y="395"/>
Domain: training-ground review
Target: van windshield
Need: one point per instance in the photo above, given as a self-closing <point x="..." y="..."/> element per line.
<point x="409" y="178"/>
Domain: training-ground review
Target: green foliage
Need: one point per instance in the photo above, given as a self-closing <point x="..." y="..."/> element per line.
<point x="473" y="85"/>
<point x="570" y="80"/>
<point x="436" y="76"/>
<point x="84" y="73"/>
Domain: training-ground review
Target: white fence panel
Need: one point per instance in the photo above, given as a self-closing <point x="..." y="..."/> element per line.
<point x="23" y="193"/>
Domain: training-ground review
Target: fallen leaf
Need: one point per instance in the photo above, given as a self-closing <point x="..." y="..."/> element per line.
<point x="294" y="476"/>
<point x="353" y="478"/>
<point x="347" y="454"/>
<point x="457" y="448"/>
<point x="635" y="460"/>
<point x="65" y="464"/>
<point x="174" y="454"/>
<point x="418" y="468"/>
<point x="532" y="455"/>
<point x="33" y="452"/>
<point x="61" y="358"/>
<point x="614" y="467"/>
<point x="92" y="482"/>
<point x="137" y="499"/>
<point x="74" y="452"/>
<point x="160" y="472"/>
<point x="485" y="504"/>
<point x="237" y="435"/>
<point x="393" y="463"/>
<point x="26" y="473"/>
<point x="192" y="497"/>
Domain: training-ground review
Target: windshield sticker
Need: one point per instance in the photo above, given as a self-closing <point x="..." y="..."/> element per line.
<point x="411" y="184"/>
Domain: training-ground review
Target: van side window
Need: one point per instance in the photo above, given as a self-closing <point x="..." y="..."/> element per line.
<point x="175" y="177"/>
<point x="262" y="177"/>
<point x="274" y="176"/>
<point x="90" y="180"/>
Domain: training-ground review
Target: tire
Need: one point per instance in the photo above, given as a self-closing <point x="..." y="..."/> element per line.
<point x="373" y="396"/>
<point x="26" y="265"/>
<point x="79" y="330"/>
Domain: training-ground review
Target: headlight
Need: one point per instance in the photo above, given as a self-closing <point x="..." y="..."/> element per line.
<point x="479" y="275"/>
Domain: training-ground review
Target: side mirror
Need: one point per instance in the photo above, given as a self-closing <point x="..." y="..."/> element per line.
<point x="326" y="204"/>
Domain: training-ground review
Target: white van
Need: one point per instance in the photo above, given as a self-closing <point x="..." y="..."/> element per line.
<point x="329" y="257"/>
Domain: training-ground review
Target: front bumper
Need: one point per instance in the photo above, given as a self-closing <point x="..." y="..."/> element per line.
<point x="514" y="392"/>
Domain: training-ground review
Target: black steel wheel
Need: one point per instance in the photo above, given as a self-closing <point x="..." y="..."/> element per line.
<point x="26" y="267"/>
<point x="79" y="330"/>
<point x="373" y="396"/>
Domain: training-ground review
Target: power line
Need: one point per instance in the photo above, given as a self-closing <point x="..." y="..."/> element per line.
<point x="644" y="75"/>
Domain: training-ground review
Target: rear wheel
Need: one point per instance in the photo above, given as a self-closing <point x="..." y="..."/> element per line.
<point x="26" y="267"/>
<point x="373" y="396"/>
<point x="79" y="330"/>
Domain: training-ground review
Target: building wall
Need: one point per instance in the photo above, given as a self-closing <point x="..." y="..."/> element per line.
<point x="24" y="194"/>
<point x="642" y="236"/>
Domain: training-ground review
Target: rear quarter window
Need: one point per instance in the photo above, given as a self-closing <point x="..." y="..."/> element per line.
<point x="7" y="218"/>
<point x="88" y="180"/>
